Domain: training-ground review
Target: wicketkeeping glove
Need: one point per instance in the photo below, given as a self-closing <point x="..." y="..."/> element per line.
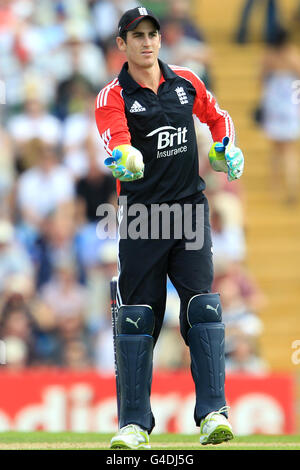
<point x="117" y="163"/>
<point x="228" y="158"/>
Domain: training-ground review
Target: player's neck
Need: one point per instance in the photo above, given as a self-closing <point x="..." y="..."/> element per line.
<point x="146" y="77"/>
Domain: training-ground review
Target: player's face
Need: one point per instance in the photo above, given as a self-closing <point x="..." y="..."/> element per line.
<point x="142" y="44"/>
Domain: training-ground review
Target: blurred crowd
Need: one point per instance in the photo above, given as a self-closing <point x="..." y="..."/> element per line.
<point x="56" y="261"/>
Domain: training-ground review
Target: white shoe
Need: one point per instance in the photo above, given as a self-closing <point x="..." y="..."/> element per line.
<point x="131" y="437"/>
<point x="215" y="428"/>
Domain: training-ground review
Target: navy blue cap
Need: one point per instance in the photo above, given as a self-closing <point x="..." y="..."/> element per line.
<point x="133" y="17"/>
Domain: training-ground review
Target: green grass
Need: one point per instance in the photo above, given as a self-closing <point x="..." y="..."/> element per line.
<point x="81" y="441"/>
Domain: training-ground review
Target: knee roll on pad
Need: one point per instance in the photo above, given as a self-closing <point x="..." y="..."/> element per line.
<point x="135" y="320"/>
<point x="204" y="308"/>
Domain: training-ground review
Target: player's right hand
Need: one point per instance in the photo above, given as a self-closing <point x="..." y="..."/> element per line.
<point x="117" y="164"/>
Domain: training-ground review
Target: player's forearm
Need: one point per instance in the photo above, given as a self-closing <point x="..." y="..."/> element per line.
<point x="222" y="127"/>
<point x="112" y="126"/>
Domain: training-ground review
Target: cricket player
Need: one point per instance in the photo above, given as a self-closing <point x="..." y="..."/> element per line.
<point x="145" y="118"/>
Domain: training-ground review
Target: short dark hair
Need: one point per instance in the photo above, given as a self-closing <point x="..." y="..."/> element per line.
<point x="123" y="35"/>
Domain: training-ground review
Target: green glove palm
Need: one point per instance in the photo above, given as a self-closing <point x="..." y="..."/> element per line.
<point x="228" y="158"/>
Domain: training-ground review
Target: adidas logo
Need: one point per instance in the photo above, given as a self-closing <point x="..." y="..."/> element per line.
<point x="137" y="108"/>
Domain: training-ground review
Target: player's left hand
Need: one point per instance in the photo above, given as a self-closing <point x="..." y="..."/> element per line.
<point x="227" y="157"/>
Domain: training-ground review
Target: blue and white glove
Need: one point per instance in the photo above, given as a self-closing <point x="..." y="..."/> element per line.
<point x="118" y="163"/>
<point x="228" y="158"/>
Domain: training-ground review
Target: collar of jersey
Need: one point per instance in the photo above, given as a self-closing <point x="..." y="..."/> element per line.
<point x="130" y="85"/>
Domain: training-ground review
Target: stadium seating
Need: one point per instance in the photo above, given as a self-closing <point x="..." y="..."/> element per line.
<point x="272" y="228"/>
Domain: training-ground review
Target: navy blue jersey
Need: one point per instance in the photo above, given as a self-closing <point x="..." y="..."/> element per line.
<point x="161" y="126"/>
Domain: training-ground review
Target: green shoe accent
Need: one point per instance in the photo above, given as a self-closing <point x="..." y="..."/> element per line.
<point x="131" y="437"/>
<point x="122" y="445"/>
<point x="222" y="433"/>
<point x="215" y="428"/>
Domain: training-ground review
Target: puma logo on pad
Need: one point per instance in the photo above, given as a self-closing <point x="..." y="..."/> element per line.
<point x="135" y="323"/>
<point x="210" y="307"/>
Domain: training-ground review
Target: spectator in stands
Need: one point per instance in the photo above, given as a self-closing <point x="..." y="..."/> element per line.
<point x="237" y="317"/>
<point x="93" y="191"/>
<point x="75" y="356"/>
<point x="16" y="353"/>
<point x="281" y="114"/>
<point x="44" y="187"/>
<point x="17" y="330"/>
<point x="230" y="204"/>
<point x="114" y="57"/>
<point x="99" y="275"/>
<point x="34" y="123"/>
<point x="238" y="273"/>
<point x="78" y="56"/>
<point x="244" y="357"/>
<point x="72" y="330"/>
<point x="81" y="143"/>
<point x="8" y="17"/>
<point x="51" y="16"/>
<point x="103" y="349"/>
<point x="105" y="17"/>
<point x="179" y="49"/>
<point x="19" y="285"/>
<point x="78" y="67"/>
<point x="228" y="241"/>
<point x="57" y="238"/>
<point x="9" y="63"/>
<point x="14" y="259"/>
<point x="7" y="173"/>
<point x="29" y="40"/>
<point x="182" y="10"/>
<point x="97" y="187"/>
<point x="71" y="96"/>
<point x="63" y="293"/>
<point x="272" y="23"/>
<point x="99" y="305"/>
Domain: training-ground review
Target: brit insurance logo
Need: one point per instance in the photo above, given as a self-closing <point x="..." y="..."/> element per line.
<point x="170" y="141"/>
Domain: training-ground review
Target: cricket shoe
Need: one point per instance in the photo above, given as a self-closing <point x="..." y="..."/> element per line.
<point x="215" y="428"/>
<point x="131" y="437"/>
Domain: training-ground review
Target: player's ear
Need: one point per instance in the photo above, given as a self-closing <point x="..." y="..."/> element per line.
<point x="121" y="44"/>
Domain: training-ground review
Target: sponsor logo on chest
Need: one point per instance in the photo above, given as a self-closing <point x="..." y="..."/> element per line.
<point x="170" y="137"/>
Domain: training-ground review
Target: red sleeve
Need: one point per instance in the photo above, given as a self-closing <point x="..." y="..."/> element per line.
<point x="110" y="117"/>
<point x="207" y="109"/>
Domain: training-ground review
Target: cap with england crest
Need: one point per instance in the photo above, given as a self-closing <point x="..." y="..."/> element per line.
<point x="133" y="17"/>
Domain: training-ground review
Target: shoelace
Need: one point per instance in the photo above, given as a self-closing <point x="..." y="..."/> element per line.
<point x="133" y="427"/>
<point x="221" y="410"/>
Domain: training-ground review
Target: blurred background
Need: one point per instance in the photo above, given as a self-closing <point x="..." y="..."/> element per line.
<point x="55" y="267"/>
